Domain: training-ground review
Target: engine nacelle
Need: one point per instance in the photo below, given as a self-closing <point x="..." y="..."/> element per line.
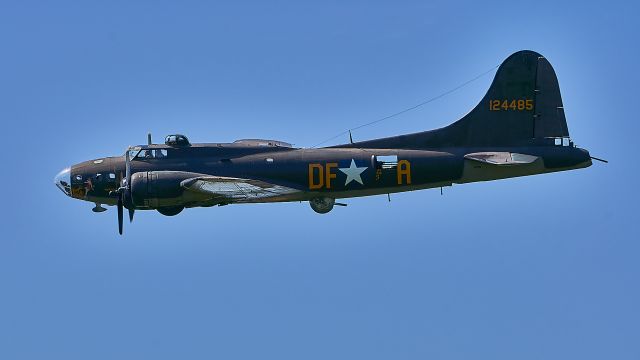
<point x="156" y="189"/>
<point x="322" y="205"/>
<point x="170" y="210"/>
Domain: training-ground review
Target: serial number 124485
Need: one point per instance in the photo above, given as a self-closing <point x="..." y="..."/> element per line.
<point x="515" y="105"/>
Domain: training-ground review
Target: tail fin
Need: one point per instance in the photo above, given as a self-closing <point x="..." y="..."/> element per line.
<point x="522" y="107"/>
<point x="523" y="103"/>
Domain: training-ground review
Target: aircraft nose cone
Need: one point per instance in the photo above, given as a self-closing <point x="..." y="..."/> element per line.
<point x="63" y="181"/>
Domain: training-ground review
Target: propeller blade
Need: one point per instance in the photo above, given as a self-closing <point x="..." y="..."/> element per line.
<point x="126" y="193"/>
<point x="127" y="163"/>
<point x="120" y="213"/>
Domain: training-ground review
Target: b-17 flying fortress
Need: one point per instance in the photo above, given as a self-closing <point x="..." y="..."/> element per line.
<point x="517" y="129"/>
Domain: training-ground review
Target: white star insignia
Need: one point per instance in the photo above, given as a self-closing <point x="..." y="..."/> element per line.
<point x="353" y="173"/>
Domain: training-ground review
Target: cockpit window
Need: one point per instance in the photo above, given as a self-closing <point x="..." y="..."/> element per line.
<point x="159" y="153"/>
<point x="139" y="153"/>
<point x="143" y="154"/>
<point x="146" y="154"/>
<point x="133" y="152"/>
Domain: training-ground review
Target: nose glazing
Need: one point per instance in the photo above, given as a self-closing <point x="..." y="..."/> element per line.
<point x="63" y="181"/>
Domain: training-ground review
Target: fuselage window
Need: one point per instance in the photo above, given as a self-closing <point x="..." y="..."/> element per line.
<point x="562" y="141"/>
<point x="386" y="161"/>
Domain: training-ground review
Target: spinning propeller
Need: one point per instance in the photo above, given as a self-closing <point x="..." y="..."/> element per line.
<point x="124" y="193"/>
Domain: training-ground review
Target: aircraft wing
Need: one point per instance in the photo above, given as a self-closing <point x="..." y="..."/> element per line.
<point x="501" y="158"/>
<point x="235" y="189"/>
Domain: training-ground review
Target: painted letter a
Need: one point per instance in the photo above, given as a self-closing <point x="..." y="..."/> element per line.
<point x="404" y="171"/>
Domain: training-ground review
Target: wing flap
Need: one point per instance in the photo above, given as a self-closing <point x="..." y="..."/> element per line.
<point x="235" y="189"/>
<point x="501" y="158"/>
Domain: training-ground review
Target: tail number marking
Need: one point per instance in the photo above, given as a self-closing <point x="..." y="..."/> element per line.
<point x="513" y="105"/>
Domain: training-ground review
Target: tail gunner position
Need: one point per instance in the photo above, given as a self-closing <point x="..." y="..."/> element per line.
<point x="518" y="129"/>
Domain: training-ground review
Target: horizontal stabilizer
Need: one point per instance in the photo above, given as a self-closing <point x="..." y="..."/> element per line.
<point x="501" y="158"/>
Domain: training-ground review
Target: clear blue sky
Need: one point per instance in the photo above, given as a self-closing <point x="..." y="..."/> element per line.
<point x="541" y="267"/>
